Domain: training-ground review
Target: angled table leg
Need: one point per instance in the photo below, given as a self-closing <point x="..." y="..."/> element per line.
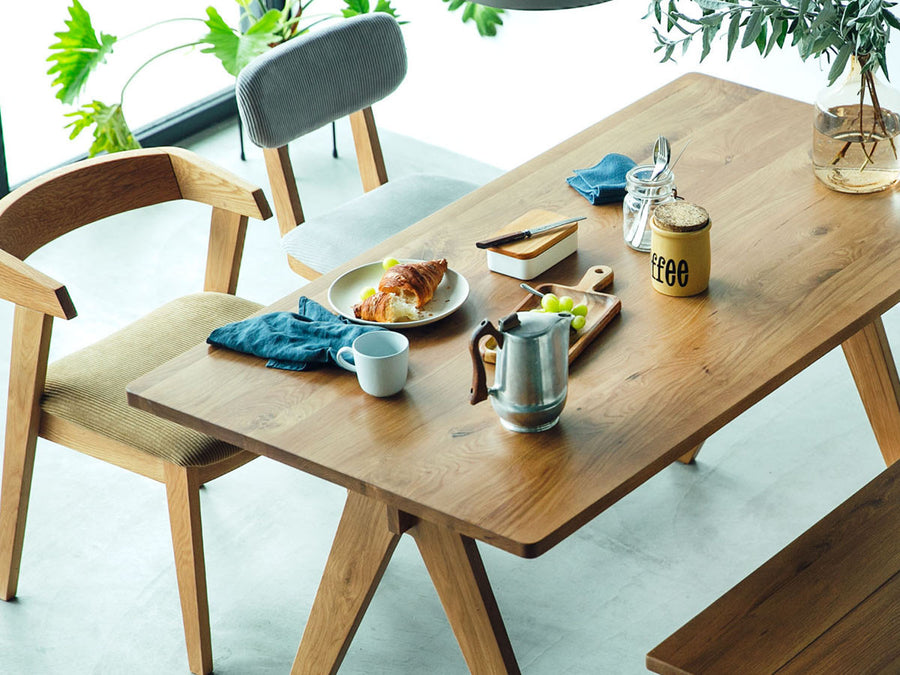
<point x="362" y="548"/>
<point x="868" y="354"/>
<point x="691" y="455"/>
<point x="462" y="584"/>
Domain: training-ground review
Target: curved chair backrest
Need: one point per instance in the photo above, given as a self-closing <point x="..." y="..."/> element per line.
<point x="315" y="79"/>
<point x="75" y="195"/>
<point x="65" y="199"/>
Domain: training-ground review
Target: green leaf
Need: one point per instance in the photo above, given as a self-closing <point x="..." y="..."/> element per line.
<point x="779" y="29"/>
<point x="384" y="6"/>
<point x="752" y="29"/>
<point x="234" y="49"/>
<point x="734" y="29"/>
<point x="708" y="34"/>
<point x="890" y="18"/>
<point x="486" y="19"/>
<point x="839" y="63"/>
<point x="761" y="39"/>
<point x="355" y="7"/>
<point x="78" y="52"/>
<point x="111" y="131"/>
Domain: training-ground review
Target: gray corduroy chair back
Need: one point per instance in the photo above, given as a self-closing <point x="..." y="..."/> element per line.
<point x="313" y="80"/>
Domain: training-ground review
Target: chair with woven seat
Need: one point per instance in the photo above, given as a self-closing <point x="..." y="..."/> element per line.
<point x="80" y="400"/>
<point x="309" y="82"/>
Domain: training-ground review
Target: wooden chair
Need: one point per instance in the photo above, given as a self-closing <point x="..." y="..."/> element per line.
<point x="80" y="401"/>
<point x="309" y="82"/>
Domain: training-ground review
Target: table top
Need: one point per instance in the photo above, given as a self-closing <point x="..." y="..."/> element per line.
<point x="796" y="269"/>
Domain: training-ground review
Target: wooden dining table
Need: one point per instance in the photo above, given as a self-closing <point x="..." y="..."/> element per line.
<point x="797" y="270"/>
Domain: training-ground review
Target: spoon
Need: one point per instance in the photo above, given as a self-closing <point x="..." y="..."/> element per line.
<point x="660" y="164"/>
<point x="531" y="290"/>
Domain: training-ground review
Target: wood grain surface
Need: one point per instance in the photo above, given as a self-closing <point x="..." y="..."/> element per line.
<point x="825" y="604"/>
<point x="796" y="270"/>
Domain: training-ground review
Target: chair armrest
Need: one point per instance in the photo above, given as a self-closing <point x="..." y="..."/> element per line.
<point x="25" y="286"/>
<point x="202" y="181"/>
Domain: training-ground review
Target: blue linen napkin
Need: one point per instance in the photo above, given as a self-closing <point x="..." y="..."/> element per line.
<point x="303" y="340"/>
<point x="605" y="181"/>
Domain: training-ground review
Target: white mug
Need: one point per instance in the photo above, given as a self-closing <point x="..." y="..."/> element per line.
<point x="380" y="361"/>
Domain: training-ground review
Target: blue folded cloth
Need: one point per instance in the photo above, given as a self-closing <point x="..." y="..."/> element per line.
<point x="605" y="181"/>
<point x="301" y="341"/>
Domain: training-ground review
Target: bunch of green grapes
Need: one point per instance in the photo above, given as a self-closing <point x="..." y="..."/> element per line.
<point x="386" y="264"/>
<point x="551" y="303"/>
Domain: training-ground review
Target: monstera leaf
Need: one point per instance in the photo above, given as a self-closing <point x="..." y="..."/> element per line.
<point x="486" y="18"/>
<point x="235" y="49"/>
<point x="78" y="52"/>
<point x="356" y="7"/>
<point x="111" y="131"/>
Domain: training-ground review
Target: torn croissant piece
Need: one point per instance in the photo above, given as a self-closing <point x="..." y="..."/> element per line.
<point x="385" y="308"/>
<point x="414" y="282"/>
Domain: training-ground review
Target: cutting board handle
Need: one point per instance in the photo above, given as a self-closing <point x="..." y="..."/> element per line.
<point x="595" y="279"/>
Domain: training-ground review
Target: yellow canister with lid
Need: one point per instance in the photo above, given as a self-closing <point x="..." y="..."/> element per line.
<point x="679" y="249"/>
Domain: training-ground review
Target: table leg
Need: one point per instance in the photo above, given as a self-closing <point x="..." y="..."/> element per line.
<point x="362" y="548"/>
<point x="690" y="456"/>
<point x="458" y="575"/>
<point x="869" y="356"/>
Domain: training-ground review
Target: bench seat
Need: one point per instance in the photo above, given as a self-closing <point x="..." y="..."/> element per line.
<point x="827" y="603"/>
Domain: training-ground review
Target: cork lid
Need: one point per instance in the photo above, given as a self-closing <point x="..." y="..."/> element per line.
<point x="680" y="216"/>
<point x="526" y="249"/>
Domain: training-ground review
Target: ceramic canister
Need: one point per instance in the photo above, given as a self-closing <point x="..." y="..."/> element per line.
<point x="679" y="249"/>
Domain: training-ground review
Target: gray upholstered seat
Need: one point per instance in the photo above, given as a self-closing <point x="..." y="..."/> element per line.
<point x="309" y="82"/>
<point x="329" y="240"/>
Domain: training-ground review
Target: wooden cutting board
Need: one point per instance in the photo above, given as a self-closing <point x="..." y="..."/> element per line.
<point x="602" y="308"/>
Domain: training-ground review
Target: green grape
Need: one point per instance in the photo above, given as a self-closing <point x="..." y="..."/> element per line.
<point x="366" y="293"/>
<point x="578" y="322"/>
<point x="580" y="310"/>
<point x="550" y="303"/>
<point x="566" y="303"/>
<point x="388" y="263"/>
<point x="538" y="309"/>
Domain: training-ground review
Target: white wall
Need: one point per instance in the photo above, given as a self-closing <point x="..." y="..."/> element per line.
<point x="502" y="100"/>
<point x="548" y="75"/>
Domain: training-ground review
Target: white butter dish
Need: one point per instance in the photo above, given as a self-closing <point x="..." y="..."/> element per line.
<point x="527" y="258"/>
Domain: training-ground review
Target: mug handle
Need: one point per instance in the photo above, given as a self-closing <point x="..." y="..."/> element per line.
<point x="342" y="362"/>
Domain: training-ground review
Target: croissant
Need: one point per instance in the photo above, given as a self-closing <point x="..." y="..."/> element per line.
<point x="414" y="282"/>
<point x="385" y="308"/>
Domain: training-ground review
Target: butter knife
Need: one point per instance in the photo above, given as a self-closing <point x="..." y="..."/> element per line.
<point x="526" y="234"/>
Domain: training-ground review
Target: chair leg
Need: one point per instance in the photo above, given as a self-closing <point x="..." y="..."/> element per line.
<point x="183" y="492"/>
<point x="18" y="466"/>
<point x="28" y="366"/>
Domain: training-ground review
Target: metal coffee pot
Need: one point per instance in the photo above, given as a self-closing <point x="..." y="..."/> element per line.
<point x="532" y="373"/>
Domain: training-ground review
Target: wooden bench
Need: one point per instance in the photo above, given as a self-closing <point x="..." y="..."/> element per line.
<point x="828" y="603"/>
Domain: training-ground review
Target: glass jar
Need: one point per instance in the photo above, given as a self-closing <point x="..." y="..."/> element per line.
<point x="642" y="195"/>
<point x="855" y="136"/>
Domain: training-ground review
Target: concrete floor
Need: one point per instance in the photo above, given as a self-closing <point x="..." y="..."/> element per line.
<point x="97" y="591"/>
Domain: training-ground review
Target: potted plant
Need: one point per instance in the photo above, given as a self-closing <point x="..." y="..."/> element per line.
<point x="856" y="117"/>
<point x="80" y="50"/>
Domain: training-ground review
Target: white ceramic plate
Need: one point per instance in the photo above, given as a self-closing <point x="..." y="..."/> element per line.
<point x="449" y="296"/>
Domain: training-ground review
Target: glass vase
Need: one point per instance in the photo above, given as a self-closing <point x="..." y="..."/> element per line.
<point x="855" y="144"/>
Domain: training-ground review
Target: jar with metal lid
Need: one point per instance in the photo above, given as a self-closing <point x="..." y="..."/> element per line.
<point x="680" y="251"/>
<point x="642" y="196"/>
